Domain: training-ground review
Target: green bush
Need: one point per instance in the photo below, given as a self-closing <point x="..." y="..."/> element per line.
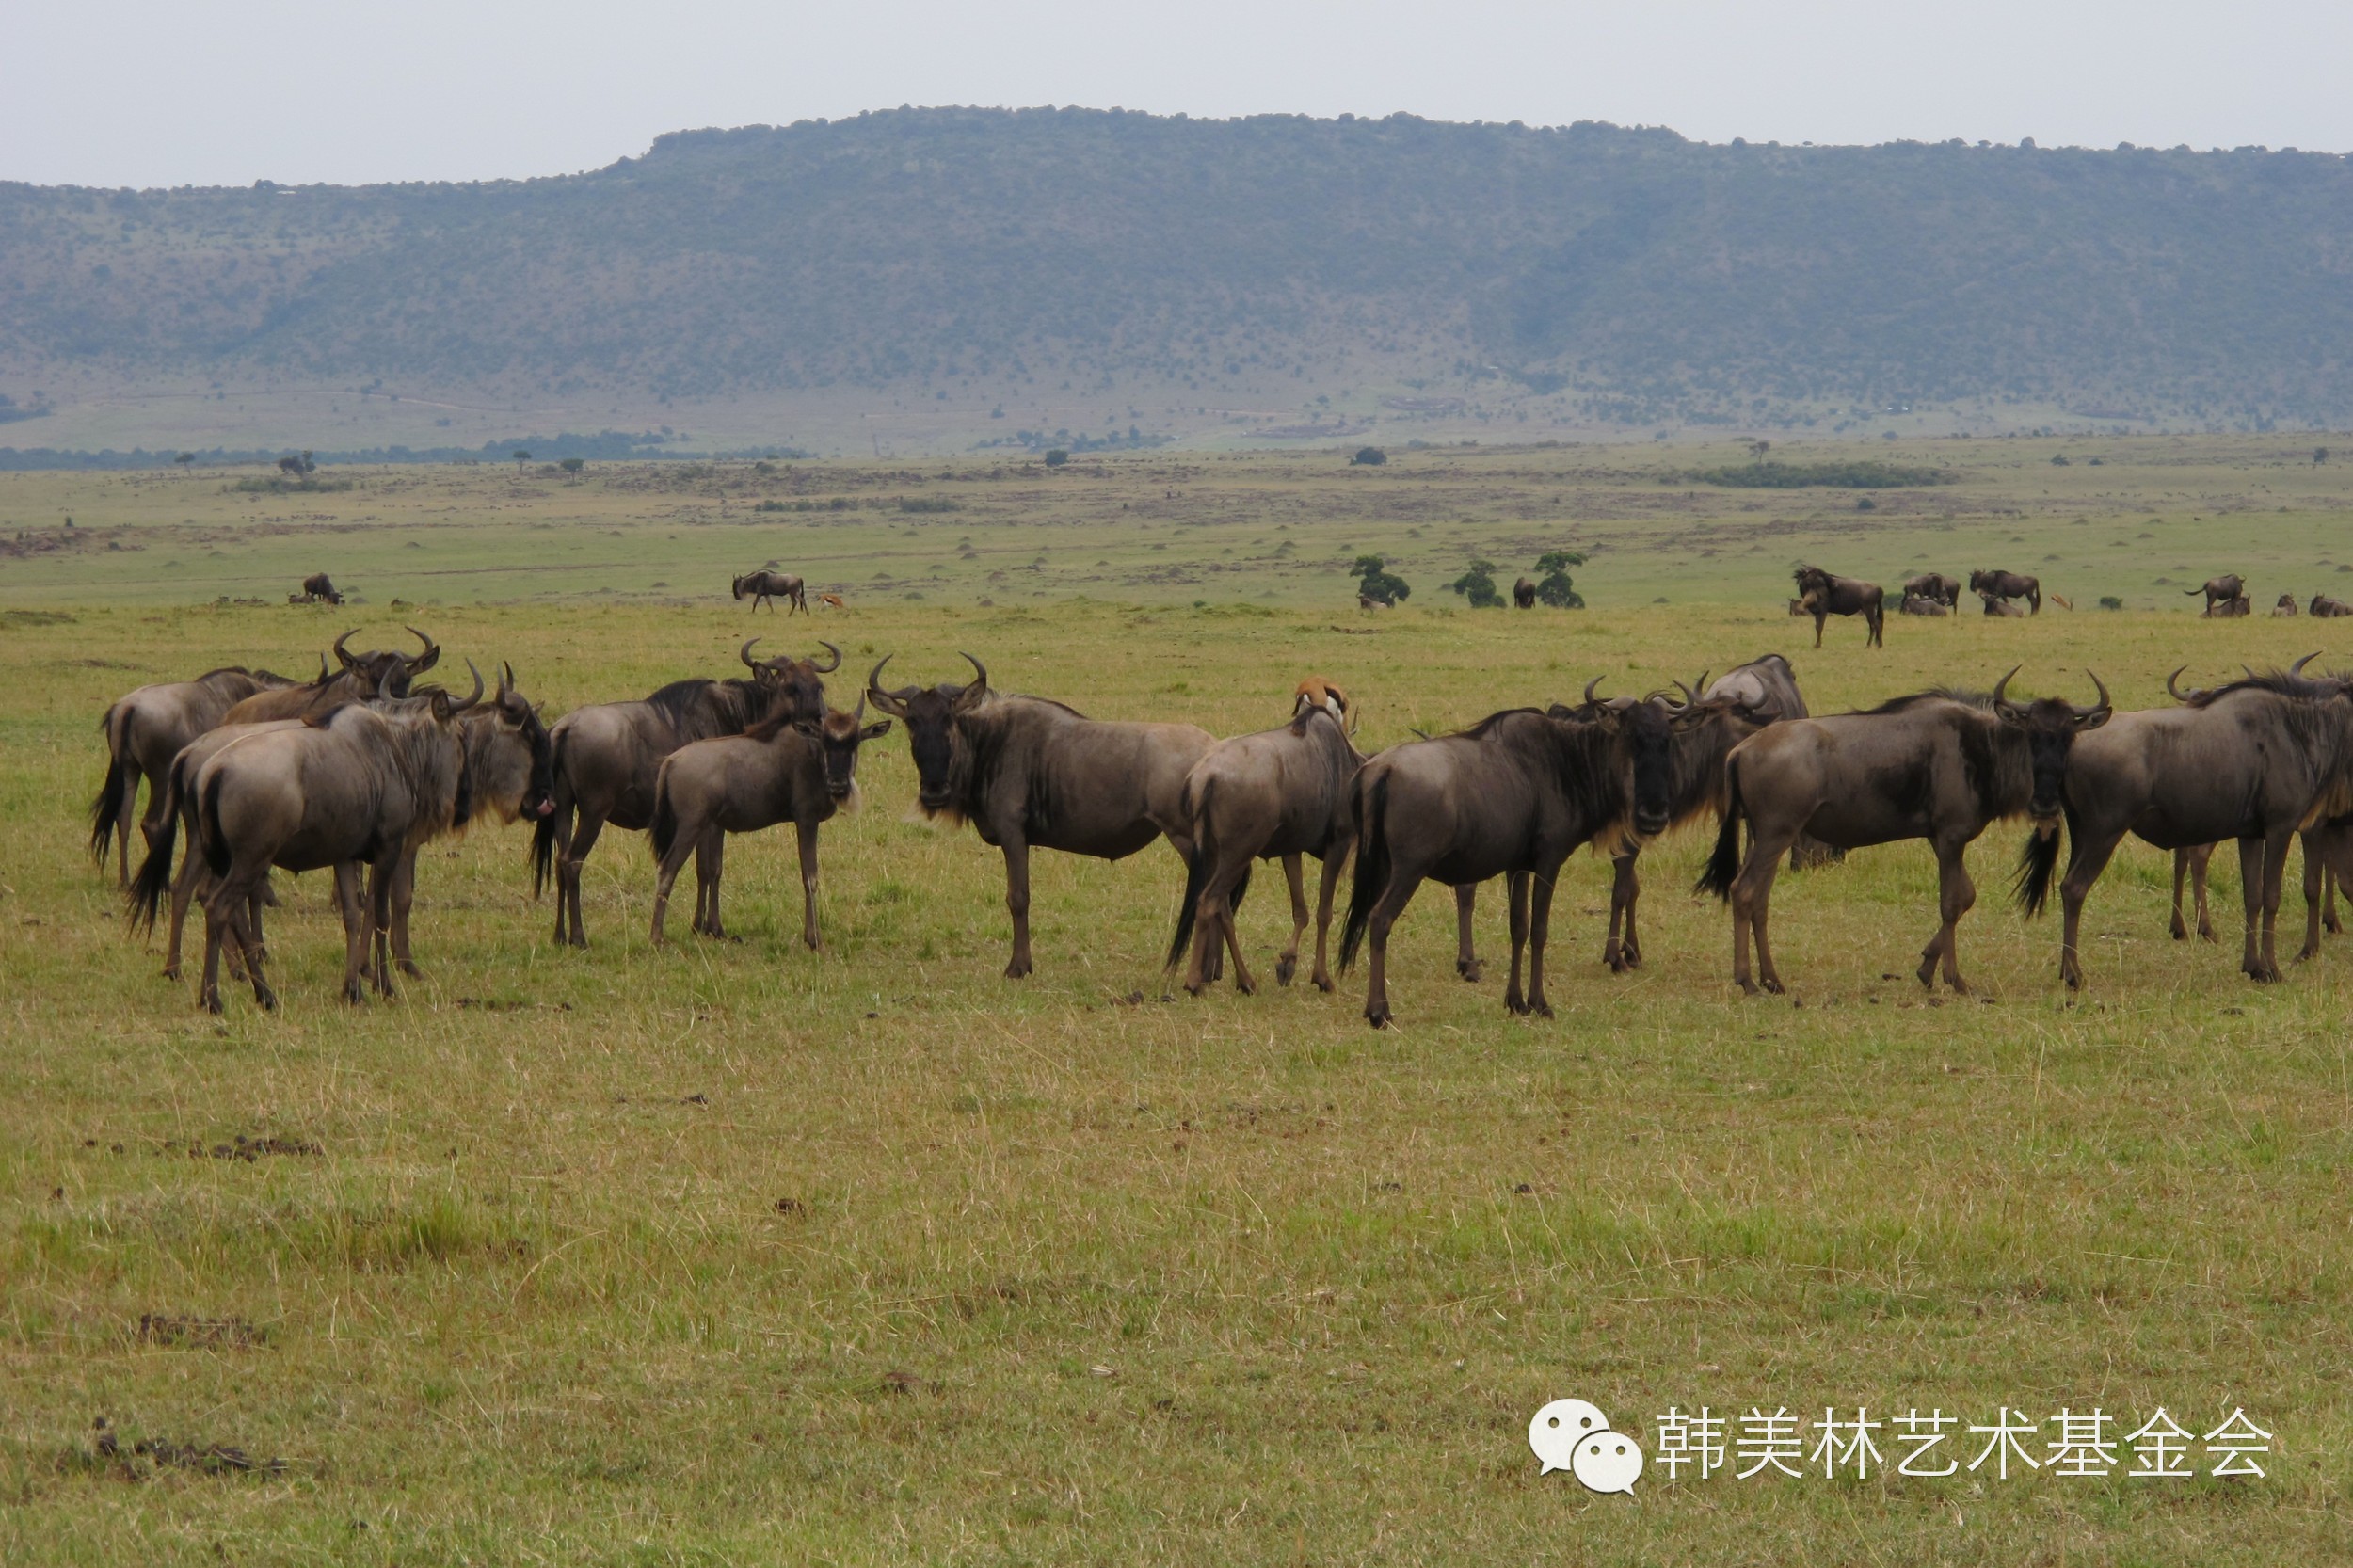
<point x="1371" y="457"/>
<point x="1057" y="457"/>
<point x="1377" y="583"/>
<point x="1477" y="585"/>
<point x="1555" y="587"/>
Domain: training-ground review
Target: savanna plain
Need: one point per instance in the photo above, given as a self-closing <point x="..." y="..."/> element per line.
<point x="728" y="1252"/>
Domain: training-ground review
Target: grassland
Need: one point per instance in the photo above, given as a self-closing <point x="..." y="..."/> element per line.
<point x="728" y="1252"/>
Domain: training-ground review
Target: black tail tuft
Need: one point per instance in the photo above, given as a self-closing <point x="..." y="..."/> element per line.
<point x="2037" y="858"/>
<point x="208" y="828"/>
<point x="114" y="798"/>
<point x="664" y="817"/>
<point x="1371" y="810"/>
<point x="146" y="896"/>
<point x="542" y="854"/>
<point x="1723" y="866"/>
<point x="1197" y="877"/>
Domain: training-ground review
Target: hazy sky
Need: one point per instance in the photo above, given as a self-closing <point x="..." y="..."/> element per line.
<point x="160" y="92"/>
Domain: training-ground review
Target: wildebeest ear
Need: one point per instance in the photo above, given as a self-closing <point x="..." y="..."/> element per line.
<point x="879" y="728"/>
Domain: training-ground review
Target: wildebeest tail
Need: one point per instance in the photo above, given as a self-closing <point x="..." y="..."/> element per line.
<point x="146" y="896"/>
<point x="543" y="832"/>
<point x="1724" y="864"/>
<point x="114" y="792"/>
<point x="208" y="826"/>
<point x="665" y="815"/>
<point x="2037" y="858"/>
<point x="1196" y="872"/>
<point x="1371" y="810"/>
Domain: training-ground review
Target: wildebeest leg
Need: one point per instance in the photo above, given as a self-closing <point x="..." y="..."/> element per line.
<point x="1404" y="880"/>
<point x="1465" y="963"/>
<point x="184" y="889"/>
<point x="2315" y="871"/>
<point x="404" y="893"/>
<point x="1751" y="905"/>
<point x="2181" y="871"/>
<point x="1288" y="964"/>
<point x="380" y="877"/>
<point x="1515" y="895"/>
<point x="1539" y="927"/>
<point x="710" y="854"/>
<point x="2263" y="865"/>
<point x="1213" y="954"/>
<point x="208" y="986"/>
<point x="1819" y="616"/>
<point x="808" y="886"/>
<point x="1878" y="619"/>
<point x="2328" y="900"/>
<point x="357" y="930"/>
<point x="1333" y="857"/>
<point x="1955" y="894"/>
<point x="1017" y="902"/>
<point x="664" y="878"/>
<point x="225" y="910"/>
<point x="2083" y="865"/>
<point x="1626" y="886"/>
<point x="569" y="858"/>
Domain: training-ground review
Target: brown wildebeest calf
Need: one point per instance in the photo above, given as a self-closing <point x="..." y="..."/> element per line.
<point x="2230" y="609"/>
<point x="1825" y="596"/>
<point x="2220" y="590"/>
<point x="2284" y="608"/>
<point x="781" y="770"/>
<point x="1934" y="587"/>
<point x="1940" y="765"/>
<point x="1997" y="605"/>
<point x="761" y="587"/>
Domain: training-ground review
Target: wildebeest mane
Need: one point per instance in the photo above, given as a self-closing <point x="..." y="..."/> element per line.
<point x="1934" y="693"/>
<point x="2278" y="683"/>
<point x="692" y="707"/>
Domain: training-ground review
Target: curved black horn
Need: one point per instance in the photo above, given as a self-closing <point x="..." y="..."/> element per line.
<point x="2297" y="669"/>
<point x="2099" y="715"/>
<point x="827" y="669"/>
<point x="1589" y="685"/>
<point x="883" y="700"/>
<point x="744" y="653"/>
<point x="322" y="680"/>
<point x="342" y="655"/>
<point x="459" y="708"/>
<point x="972" y="694"/>
<point x="430" y="657"/>
<point x="2000" y="704"/>
<point x="506" y="677"/>
<point x="2174" y="690"/>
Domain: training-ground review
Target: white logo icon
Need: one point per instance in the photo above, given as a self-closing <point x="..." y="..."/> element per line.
<point x="1573" y="1436"/>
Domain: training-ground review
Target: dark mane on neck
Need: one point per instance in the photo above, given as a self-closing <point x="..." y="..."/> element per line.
<point x="1934" y="693"/>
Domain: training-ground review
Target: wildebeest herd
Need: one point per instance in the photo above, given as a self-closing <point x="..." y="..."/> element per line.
<point x="1821" y="595"/>
<point x="356" y="770"/>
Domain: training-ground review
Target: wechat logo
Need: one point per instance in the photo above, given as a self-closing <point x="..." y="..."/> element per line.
<point x="1574" y="1436"/>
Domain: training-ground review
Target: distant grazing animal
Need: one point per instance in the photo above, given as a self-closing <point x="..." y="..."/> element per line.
<point x="1798" y="609"/>
<point x="1997" y="605"/>
<point x="2326" y="608"/>
<point x="2230" y="609"/>
<point x="317" y="586"/>
<point x="145" y="731"/>
<point x="831" y="601"/>
<point x="781" y="770"/>
<point x="1940" y="765"/>
<point x="1826" y="596"/>
<point x="1027" y="773"/>
<point x="2009" y="585"/>
<point x="1523" y="594"/>
<point x="608" y="757"/>
<point x="2285" y="608"/>
<point x="1934" y="587"/>
<point x="1366" y="602"/>
<point x="1278" y="795"/>
<point x="760" y="586"/>
<point x="1914" y="605"/>
<point x="377" y="673"/>
<point x="2220" y="590"/>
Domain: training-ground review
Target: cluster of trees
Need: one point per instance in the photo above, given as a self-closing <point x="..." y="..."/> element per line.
<point x="1555" y="587"/>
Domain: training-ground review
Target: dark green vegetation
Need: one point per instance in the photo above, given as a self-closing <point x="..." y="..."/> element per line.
<point x="1580" y="270"/>
<point x="1861" y="474"/>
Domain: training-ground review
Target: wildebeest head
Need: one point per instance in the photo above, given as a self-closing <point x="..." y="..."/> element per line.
<point x="384" y="672"/>
<point x="839" y="735"/>
<point x="796" y="683"/>
<point x="1647" y="728"/>
<point x="513" y="759"/>
<point x="2050" y="724"/>
<point x="930" y="714"/>
<point x="736" y="587"/>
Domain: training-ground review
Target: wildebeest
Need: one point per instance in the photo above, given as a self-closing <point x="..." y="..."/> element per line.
<point x="2220" y="590"/>
<point x="781" y="770"/>
<point x="2254" y="760"/>
<point x="1368" y="603"/>
<point x="1512" y="796"/>
<point x="1027" y="773"/>
<point x="760" y="586"/>
<point x="145" y="731"/>
<point x="317" y="586"/>
<point x="2007" y="586"/>
<point x="1939" y="765"/>
<point x="1767" y="688"/>
<point x="1935" y="587"/>
<point x="2325" y="608"/>
<point x="608" y="754"/>
<point x="1997" y="605"/>
<point x="1278" y="795"/>
<point x="1916" y="607"/>
<point x="2230" y="608"/>
<point x="353" y="789"/>
<point x="374" y="674"/>
<point x="1825" y="596"/>
<point x="1524" y="592"/>
<point x="2285" y="607"/>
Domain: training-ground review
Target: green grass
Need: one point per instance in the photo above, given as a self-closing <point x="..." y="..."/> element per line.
<point x="730" y="1253"/>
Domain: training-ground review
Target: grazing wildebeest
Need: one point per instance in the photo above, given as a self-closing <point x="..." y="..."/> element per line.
<point x="2284" y="607"/>
<point x="2009" y="585"/>
<point x="760" y="586"/>
<point x="1935" y="587"/>
<point x="353" y="789"/>
<point x="608" y="754"/>
<point x="1913" y="606"/>
<point x="1027" y="773"/>
<point x="2254" y="760"/>
<point x="145" y="731"/>
<point x="1278" y="795"/>
<point x="1997" y="605"/>
<point x="1524" y="592"/>
<point x="1512" y="796"/>
<point x="2220" y="590"/>
<point x="362" y="676"/>
<point x="317" y="586"/>
<point x="1825" y="596"/>
<point x="2230" y="609"/>
<point x="781" y="770"/>
<point x="2325" y="608"/>
<point x="1939" y="765"/>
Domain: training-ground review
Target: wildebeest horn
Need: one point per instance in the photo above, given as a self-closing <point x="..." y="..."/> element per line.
<point x="506" y="677"/>
<point x="2098" y="715"/>
<point x="457" y="708"/>
<point x="1691" y="698"/>
<point x="827" y="669"/>
<point x="430" y="657"/>
<point x="889" y="704"/>
<point x="744" y="653"/>
<point x="971" y="695"/>
<point x="343" y="656"/>
<point x="322" y="680"/>
<point x="2176" y="692"/>
<point x="2000" y="704"/>
<point x="2298" y="669"/>
<point x="1589" y="685"/>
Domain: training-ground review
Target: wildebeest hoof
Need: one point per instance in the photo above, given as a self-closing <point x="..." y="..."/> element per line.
<point x="1514" y="1003"/>
<point x="268" y="1001"/>
<point x="172" y="971"/>
<point x="1469" y="968"/>
<point x="1774" y="985"/>
<point x="1377" y="1017"/>
<point x="410" y="969"/>
<point x="1323" y="983"/>
<point x="1285" y="967"/>
<point x="1017" y="969"/>
<point x="212" y="1005"/>
<point x="1542" y="1009"/>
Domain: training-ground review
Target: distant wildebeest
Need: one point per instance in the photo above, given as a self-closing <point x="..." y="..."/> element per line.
<point x="1278" y="795"/>
<point x="1368" y="603"/>
<point x="377" y="673"/>
<point x="2325" y="608"/>
<point x="1939" y="765"/>
<point x="2220" y="590"/>
<point x="2009" y="585"/>
<point x="2285" y="608"/>
<point x="1997" y="605"/>
<point x="2230" y="609"/>
<point x="317" y="586"/>
<point x="2253" y="760"/>
<point x="145" y="731"/>
<point x="760" y="586"/>
<point x="1825" y="596"/>
<point x="1513" y="796"/>
<point x="609" y="754"/>
<point x="354" y="789"/>
<point x="1934" y="587"/>
<point x="781" y="770"/>
<point x="1914" y="605"/>
<point x="1031" y="774"/>
<point x="1524" y="592"/>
